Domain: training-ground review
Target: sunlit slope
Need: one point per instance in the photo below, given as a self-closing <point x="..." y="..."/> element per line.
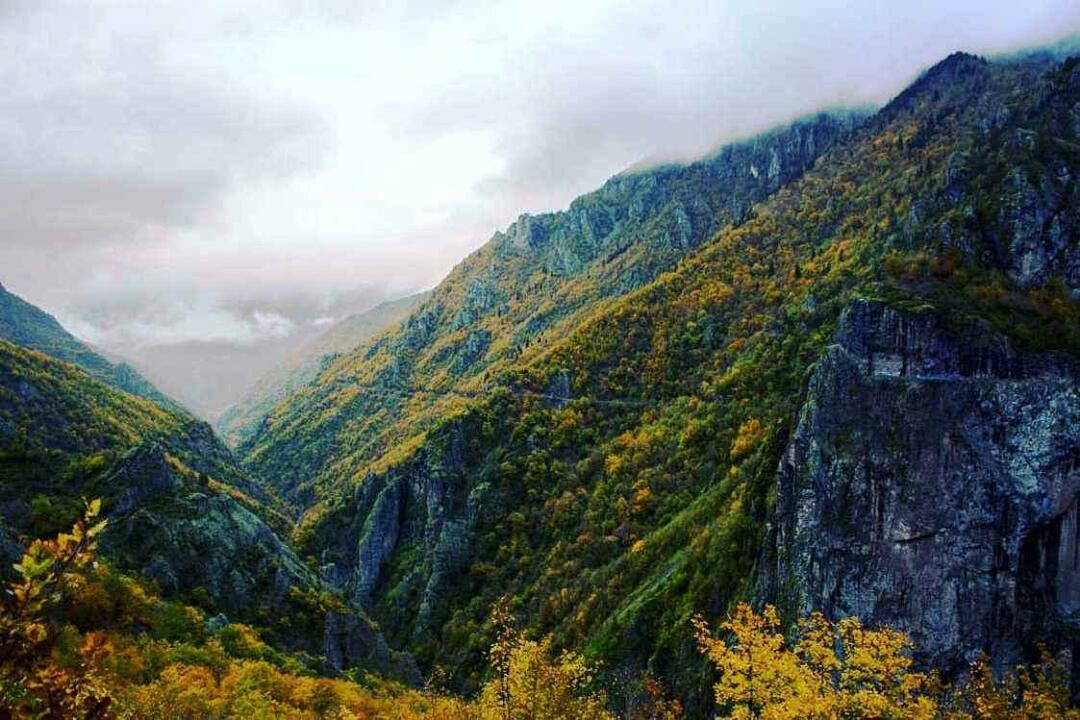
<point x="525" y="289"/>
<point x="609" y="518"/>
<point x="29" y="326"/>
<point x="242" y="420"/>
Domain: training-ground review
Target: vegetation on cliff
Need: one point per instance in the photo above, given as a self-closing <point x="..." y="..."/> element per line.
<point x="615" y="477"/>
<point x="79" y="640"/>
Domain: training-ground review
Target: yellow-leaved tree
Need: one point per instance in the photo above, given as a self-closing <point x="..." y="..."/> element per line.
<point x="529" y="683"/>
<point x="829" y="670"/>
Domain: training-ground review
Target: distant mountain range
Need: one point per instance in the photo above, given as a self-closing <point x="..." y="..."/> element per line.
<point x="242" y="420"/>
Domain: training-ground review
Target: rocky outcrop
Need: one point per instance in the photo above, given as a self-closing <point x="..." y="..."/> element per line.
<point x="196" y="542"/>
<point x="170" y="526"/>
<point x="351" y="640"/>
<point x="1040" y="219"/>
<point x="394" y="548"/>
<point x="379" y="536"/>
<point x="931" y="484"/>
<point x="674" y="208"/>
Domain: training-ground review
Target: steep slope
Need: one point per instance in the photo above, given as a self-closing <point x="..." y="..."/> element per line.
<point x="27" y="325"/>
<point x="932" y="484"/>
<point x="242" y="420"/>
<point x="525" y="288"/>
<point x="180" y="513"/>
<point x="617" y="475"/>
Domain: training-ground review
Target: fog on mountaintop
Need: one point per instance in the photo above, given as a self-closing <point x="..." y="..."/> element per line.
<point x="200" y="190"/>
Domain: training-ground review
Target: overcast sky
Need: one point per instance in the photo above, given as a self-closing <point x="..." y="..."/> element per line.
<point x="170" y="173"/>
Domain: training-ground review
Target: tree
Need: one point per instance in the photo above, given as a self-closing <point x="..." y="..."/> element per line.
<point x="531" y="685"/>
<point x="827" y="670"/>
<point x="33" y="683"/>
<point x="837" y="670"/>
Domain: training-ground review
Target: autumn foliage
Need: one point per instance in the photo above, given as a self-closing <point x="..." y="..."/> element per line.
<point x="32" y="683"/>
<point x="827" y="670"/>
<point x="78" y="640"/>
<point x="529" y="681"/>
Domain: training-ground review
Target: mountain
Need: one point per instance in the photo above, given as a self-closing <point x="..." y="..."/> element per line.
<point x="833" y="367"/>
<point x="526" y="288"/>
<point x="181" y="513"/>
<point x="242" y="420"/>
<point x="25" y="324"/>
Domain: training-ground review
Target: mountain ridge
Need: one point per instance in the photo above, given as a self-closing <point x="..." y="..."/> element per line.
<point x="528" y="282"/>
<point x="608" y="527"/>
<point x="238" y="423"/>
<point x="27" y="325"/>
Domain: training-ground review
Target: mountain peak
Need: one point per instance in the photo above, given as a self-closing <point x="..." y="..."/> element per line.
<point x="957" y="59"/>
<point x="955" y="67"/>
<point x="944" y="75"/>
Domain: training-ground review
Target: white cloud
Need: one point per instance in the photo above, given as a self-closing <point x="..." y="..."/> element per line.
<point x="272" y="324"/>
<point x="178" y="174"/>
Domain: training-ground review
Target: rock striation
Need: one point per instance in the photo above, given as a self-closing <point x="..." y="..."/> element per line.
<point x="402" y="537"/>
<point x="932" y="484"/>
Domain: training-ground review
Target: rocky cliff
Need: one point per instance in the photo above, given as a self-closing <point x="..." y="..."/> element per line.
<point x="183" y="530"/>
<point x="931" y="484"/>
<point x="180" y="513"/>
<point x="405" y="534"/>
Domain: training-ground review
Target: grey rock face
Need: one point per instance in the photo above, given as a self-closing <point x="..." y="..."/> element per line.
<point x="167" y="527"/>
<point x="183" y="535"/>
<point x="146" y="474"/>
<point x="378" y="538"/>
<point x="424" y="510"/>
<point x="931" y="484"/>
<point x="1036" y="219"/>
<point x="351" y="640"/>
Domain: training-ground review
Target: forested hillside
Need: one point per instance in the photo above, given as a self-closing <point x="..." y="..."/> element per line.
<point x="521" y="292"/>
<point x="242" y="420"/>
<point x="819" y="389"/>
<point x="612" y="469"/>
<point x="26" y="325"/>
<point x="180" y="512"/>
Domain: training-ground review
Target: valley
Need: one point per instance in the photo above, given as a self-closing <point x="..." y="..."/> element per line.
<point x="830" y="368"/>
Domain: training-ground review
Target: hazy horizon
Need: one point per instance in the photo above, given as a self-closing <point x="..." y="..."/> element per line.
<point x="211" y="187"/>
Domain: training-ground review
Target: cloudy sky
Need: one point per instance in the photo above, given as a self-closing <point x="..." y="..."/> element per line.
<point x="243" y="172"/>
